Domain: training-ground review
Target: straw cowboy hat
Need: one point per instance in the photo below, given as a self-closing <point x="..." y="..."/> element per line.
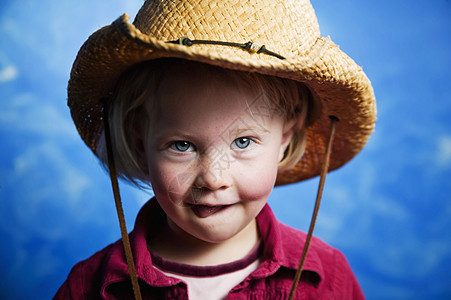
<point x="273" y="37"/>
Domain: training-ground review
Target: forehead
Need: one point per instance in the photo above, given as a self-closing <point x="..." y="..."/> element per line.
<point x="201" y="87"/>
<point x="208" y="103"/>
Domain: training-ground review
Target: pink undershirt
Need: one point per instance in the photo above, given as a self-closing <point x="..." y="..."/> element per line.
<point x="210" y="282"/>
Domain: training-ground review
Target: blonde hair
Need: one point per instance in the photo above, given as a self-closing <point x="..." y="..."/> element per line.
<point x="140" y="84"/>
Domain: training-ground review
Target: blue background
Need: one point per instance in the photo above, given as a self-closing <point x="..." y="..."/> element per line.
<point x="389" y="210"/>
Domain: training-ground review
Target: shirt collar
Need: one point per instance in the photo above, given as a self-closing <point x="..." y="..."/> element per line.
<point x="115" y="268"/>
<point x="282" y="248"/>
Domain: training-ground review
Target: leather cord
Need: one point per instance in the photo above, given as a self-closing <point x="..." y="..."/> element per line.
<point x="251" y="47"/>
<point x="324" y="169"/>
<point x="117" y="200"/>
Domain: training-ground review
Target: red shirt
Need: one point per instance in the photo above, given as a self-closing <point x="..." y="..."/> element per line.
<point x="326" y="275"/>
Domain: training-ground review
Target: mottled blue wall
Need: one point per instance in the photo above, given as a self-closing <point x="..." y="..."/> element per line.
<point x="389" y="210"/>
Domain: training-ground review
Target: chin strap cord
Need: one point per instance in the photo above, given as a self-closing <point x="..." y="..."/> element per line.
<point x="117" y="200"/>
<point x="324" y="169"/>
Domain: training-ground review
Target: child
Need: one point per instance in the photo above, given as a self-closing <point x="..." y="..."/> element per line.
<point x="182" y="102"/>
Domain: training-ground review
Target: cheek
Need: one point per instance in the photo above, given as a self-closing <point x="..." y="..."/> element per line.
<point x="258" y="183"/>
<point x="168" y="181"/>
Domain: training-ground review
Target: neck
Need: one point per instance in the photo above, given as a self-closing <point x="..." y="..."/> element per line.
<point x="176" y="245"/>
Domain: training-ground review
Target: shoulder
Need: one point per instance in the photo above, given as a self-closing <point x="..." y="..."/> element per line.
<point x="85" y="277"/>
<point x="293" y="238"/>
<point x="329" y="263"/>
<point x="293" y="241"/>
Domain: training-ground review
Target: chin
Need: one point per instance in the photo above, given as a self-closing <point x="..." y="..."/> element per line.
<point x="215" y="237"/>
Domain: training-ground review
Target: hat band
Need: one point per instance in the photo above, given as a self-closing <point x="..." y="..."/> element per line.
<point x="249" y="46"/>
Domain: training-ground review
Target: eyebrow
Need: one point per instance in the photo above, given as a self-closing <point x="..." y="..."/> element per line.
<point x="238" y="131"/>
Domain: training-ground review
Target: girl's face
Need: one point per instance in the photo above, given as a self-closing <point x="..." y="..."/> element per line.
<point x="213" y="151"/>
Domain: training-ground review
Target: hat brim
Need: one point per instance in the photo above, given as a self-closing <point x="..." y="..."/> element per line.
<point x="336" y="80"/>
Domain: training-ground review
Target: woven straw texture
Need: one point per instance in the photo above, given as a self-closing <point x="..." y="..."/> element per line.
<point x="287" y="27"/>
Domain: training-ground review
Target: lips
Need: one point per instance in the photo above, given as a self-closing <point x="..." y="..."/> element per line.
<point x="204" y="211"/>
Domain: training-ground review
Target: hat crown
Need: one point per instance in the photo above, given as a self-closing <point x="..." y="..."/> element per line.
<point x="287" y="27"/>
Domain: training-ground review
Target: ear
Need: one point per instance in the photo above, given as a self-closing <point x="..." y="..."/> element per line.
<point x="137" y="139"/>
<point x="287" y="133"/>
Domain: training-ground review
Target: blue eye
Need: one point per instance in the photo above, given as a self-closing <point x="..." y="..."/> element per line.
<point x="242" y="142"/>
<point x="181" y="146"/>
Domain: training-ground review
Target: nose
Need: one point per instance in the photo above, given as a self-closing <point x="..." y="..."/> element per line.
<point x="213" y="174"/>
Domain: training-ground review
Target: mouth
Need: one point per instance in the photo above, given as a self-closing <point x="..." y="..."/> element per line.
<point x="204" y="211"/>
